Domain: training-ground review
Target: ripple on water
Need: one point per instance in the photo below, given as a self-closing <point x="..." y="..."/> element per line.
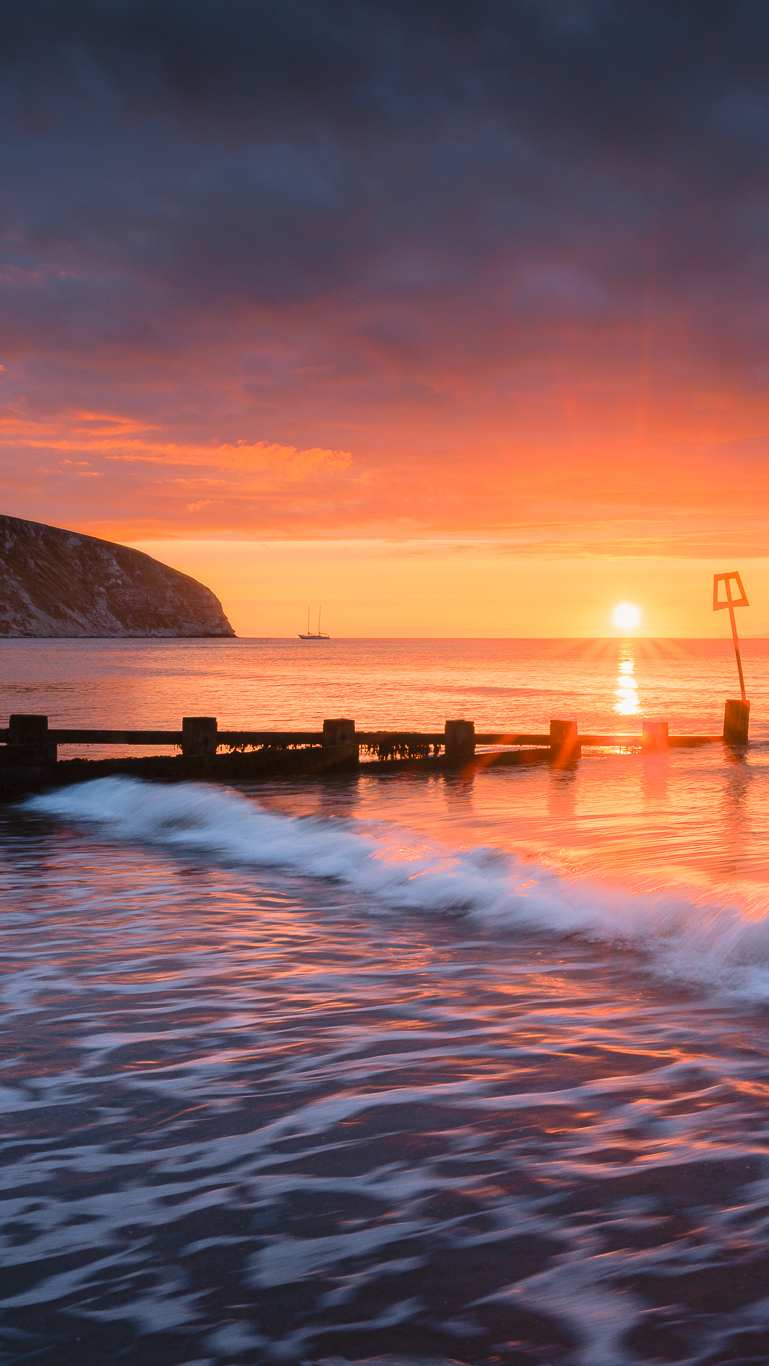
<point x="248" y="1120"/>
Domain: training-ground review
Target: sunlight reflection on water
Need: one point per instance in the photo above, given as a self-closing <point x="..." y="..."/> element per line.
<point x="513" y="684"/>
<point x="627" y="692"/>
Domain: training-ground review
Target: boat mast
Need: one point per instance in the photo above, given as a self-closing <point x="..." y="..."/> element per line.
<point x="319" y="610"/>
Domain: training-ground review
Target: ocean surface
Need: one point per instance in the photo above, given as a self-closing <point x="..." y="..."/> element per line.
<point x="390" y="1069"/>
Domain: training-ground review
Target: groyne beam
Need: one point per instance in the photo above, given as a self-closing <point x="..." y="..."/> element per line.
<point x="285" y="738"/>
<point x="28" y="738"/>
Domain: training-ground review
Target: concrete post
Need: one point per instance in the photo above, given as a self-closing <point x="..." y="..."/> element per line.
<point x="736" y="721"/>
<point x="654" y="735"/>
<point x="199" y="735"/>
<point x="28" y="741"/>
<point x="564" y="742"/>
<point x="459" y="741"/>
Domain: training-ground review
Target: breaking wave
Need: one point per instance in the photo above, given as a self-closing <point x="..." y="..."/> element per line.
<point x="688" y="935"/>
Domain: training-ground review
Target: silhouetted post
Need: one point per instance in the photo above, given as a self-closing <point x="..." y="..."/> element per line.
<point x="28" y="741"/>
<point x="654" y="735"/>
<point x="339" y="731"/>
<point x="736" y="721"/>
<point x="564" y="742"/>
<point x="339" y="735"/>
<point x="459" y="741"/>
<point x="199" y="735"/>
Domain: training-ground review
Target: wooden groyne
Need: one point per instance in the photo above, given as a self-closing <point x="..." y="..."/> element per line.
<point x="30" y="759"/>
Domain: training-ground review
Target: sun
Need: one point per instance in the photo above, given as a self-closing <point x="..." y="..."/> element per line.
<point x="626" y="616"/>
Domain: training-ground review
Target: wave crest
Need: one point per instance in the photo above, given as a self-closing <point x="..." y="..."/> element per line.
<point x="687" y="935"/>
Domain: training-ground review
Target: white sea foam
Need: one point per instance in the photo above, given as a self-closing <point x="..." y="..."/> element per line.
<point x="692" y="936"/>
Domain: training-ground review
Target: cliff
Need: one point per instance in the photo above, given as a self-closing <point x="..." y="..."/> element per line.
<point x="59" y="583"/>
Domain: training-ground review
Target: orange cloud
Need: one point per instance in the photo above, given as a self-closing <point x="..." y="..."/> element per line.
<point x="112" y="438"/>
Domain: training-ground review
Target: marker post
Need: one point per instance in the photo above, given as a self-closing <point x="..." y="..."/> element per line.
<point x="737" y="713"/>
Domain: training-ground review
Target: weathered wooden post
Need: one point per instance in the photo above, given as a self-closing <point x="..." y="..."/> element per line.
<point x="338" y="731"/>
<point x="654" y="735"/>
<point x="339" y="735"/>
<point x="28" y="741"/>
<point x="199" y="735"/>
<point x="564" y="743"/>
<point x="459" y="741"/>
<point x="736" y="721"/>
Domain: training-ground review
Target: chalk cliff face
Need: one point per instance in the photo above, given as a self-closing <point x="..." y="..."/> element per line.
<point x="59" y="583"/>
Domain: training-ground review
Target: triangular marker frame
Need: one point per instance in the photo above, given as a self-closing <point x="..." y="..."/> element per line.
<point x="728" y="601"/>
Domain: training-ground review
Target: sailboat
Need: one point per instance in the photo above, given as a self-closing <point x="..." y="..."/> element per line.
<point x="314" y="635"/>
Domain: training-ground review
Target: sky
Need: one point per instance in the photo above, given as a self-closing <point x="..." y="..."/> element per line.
<point x="452" y="315"/>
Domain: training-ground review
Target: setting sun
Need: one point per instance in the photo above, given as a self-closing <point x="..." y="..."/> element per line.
<point x="626" y="616"/>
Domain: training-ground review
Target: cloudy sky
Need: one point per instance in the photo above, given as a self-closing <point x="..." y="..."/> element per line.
<point x="477" y="276"/>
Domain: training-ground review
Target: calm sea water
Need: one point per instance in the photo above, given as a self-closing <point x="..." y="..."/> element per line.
<point x="389" y="1069"/>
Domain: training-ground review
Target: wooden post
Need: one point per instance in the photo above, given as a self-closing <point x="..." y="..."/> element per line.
<point x="339" y="736"/>
<point x="564" y="743"/>
<point x="736" y="721"/>
<point x="339" y="731"/>
<point x="654" y="735"/>
<point x="199" y="735"/>
<point x="459" y="741"/>
<point x="28" y="741"/>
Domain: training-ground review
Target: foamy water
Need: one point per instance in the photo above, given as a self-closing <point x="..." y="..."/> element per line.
<point x="687" y="935"/>
<point x="421" y="1070"/>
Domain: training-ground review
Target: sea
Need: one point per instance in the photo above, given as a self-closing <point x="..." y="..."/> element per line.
<point x="389" y="1068"/>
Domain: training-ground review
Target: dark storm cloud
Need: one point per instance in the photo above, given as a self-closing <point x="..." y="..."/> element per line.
<point x="277" y="152"/>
